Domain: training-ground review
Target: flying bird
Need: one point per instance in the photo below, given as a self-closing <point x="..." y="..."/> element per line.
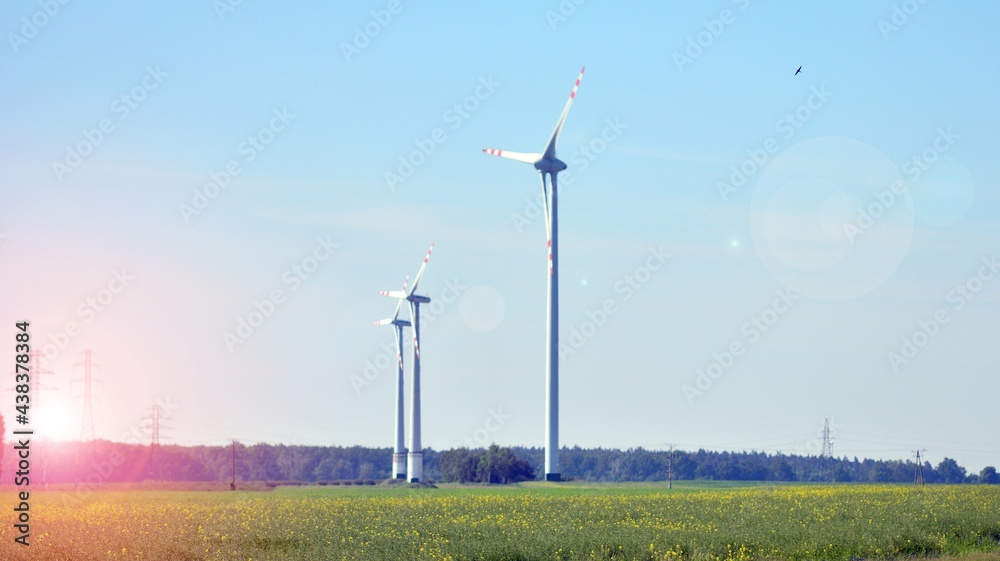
<point x="797" y="71"/>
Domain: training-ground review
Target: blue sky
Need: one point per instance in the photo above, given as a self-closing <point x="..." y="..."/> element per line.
<point x="310" y="112"/>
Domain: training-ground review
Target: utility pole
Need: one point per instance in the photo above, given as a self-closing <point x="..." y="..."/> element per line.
<point x="154" y="441"/>
<point x="87" y="425"/>
<point x="827" y="443"/>
<point x="670" y="467"/>
<point x="827" y="453"/>
<point x="36" y="387"/>
<point x="918" y="469"/>
<point x="232" y="484"/>
<point x="35" y="380"/>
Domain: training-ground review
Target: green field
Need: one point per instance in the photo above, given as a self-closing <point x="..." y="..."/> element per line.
<point x="529" y="521"/>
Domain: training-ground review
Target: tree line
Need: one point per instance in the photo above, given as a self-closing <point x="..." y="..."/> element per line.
<point x="103" y="461"/>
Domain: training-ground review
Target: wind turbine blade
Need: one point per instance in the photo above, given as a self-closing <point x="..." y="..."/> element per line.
<point x="416" y="339"/>
<point x="550" y="148"/>
<point x="399" y="302"/>
<point x="385" y="321"/>
<point x="393" y="293"/>
<point x="420" y="273"/>
<point x="519" y="156"/>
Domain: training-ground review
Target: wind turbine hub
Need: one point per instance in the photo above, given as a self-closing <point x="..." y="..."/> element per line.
<point x="550" y="165"/>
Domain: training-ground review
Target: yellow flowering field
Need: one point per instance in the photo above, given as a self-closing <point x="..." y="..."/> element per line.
<point x="534" y="521"/>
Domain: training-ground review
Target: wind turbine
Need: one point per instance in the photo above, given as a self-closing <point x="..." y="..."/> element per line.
<point x="415" y="459"/>
<point x="399" y="451"/>
<point x="547" y="163"/>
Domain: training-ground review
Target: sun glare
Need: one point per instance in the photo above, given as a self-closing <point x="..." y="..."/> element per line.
<point x="55" y="420"/>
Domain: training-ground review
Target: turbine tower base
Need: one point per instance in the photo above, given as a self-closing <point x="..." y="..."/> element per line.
<point x="553" y="477"/>
<point x="415" y="467"/>
<point x="399" y="466"/>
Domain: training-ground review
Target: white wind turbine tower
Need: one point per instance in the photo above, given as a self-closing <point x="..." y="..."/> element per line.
<point x="399" y="449"/>
<point x="415" y="459"/>
<point x="547" y="163"/>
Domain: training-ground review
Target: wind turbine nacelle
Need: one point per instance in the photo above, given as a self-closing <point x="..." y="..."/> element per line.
<point x="419" y="299"/>
<point x="550" y="165"/>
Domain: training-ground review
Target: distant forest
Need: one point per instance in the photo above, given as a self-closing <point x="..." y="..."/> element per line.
<point x="101" y="461"/>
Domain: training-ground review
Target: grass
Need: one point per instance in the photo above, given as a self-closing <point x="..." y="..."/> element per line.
<point x="536" y="520"/>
